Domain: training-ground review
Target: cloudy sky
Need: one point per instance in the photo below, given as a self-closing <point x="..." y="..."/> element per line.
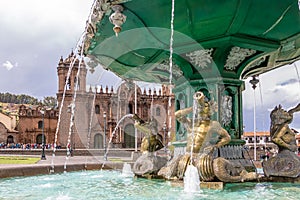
<point x="34" y="35"/>
<point x="280" y="86"/>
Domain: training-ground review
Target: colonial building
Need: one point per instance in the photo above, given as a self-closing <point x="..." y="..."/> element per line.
<point x="36" y="121"/>
<point x="261" y="140"/>
<point x="8" y="131"/>
<point x="99" y="114"/>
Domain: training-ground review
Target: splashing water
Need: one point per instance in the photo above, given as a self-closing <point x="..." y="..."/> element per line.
<point x="191" y="176"/>
<point x="113" y="134"/>
<point x="79" y="46"/>
<point x="193" y="127"/>
<point x="59" y="114"/>
<point x="191" y="179"/>
<point x="171" y="68"/>
<point x="126" y="171"/>
<point x="90" y="125"/>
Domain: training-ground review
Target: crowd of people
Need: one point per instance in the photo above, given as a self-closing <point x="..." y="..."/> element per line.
<point x="26" y="146"/>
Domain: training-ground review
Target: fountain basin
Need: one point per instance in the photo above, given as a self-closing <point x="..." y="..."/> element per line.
<point x="109" y="184"/>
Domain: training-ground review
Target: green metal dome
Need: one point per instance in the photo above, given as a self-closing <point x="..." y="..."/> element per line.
<point x="233" y="38"/>
<point x="216" y="44"/>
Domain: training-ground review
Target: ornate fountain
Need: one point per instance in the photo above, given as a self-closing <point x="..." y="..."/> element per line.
<point x="208" y="149"/>
<point x="211" y="53"/>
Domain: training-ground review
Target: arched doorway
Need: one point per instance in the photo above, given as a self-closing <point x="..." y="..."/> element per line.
<point x="129" y="133"/>
<point x="10" y="139"/>
<point x="98" y="141"/>
<point x="39" y="139"/>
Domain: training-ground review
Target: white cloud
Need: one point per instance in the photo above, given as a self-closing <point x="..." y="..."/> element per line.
<point x="8" y="65"/>
<point x="279" y="86"/>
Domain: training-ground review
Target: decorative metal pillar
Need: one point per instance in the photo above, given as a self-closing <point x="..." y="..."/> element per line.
<point x="43" y="157"/>
<point x="254" y="82"/>
<point x="104" y="117"/>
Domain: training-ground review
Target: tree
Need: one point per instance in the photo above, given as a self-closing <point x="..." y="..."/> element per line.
<point x="50" y="102"/>
<point x="18" y="99"/>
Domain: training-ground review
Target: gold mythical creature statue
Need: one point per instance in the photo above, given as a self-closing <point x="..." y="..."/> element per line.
<point x="204" y="136"/>
<point x="149" y="163"/>
<point x="286" y="163"/>
<point x="152" y="141"/>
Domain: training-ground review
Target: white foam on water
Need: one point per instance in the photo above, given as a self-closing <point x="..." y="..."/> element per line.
<point x="126" y="171"/>
<point x="191" y="179"/>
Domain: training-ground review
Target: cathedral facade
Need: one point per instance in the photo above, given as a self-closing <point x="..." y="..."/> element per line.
<point x="98" y="117"/>
<point x="92" y="117"/>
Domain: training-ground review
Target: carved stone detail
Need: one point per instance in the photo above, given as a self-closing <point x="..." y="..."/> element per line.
<point x="165" y="66"/>
<point x="226" y="110"/>
<point x="236" y="56"/>
<point x="201" y="58"/>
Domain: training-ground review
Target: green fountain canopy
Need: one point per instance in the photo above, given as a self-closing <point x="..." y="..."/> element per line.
<point x="231" y="39"/>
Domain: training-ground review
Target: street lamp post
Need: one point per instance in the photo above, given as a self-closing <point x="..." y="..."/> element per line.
<point x="165" y="129"/>
<point x="254" y="81"/>
<point x="104" y="117"/>
<point x="43" y="157"/>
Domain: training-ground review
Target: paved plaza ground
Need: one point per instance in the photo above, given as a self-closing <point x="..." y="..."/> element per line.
<point x="60" y="163"/>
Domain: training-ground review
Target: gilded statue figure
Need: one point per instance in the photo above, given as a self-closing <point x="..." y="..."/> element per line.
<point x="208" y="134"/>
<point x="286" y="163"/>
<point x="204" y="137"/>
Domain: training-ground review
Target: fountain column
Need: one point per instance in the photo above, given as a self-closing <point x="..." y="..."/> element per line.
<point x="227" y="93"/>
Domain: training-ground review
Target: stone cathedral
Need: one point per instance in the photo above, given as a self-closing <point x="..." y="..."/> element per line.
<point x="97" y="111"/>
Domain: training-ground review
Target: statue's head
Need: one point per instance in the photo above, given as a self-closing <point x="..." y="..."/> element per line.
<point x="205" y="108"/>
<point x="280" y="116"/>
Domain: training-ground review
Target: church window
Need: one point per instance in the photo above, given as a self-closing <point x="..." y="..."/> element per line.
<point x="158" y="111"/>
<point x="97" y="109"/>
<point x="76" y="83"/>
<point x="40" y="124"/>
<point x="67" y="84"/>
<point x="130" y="107"/>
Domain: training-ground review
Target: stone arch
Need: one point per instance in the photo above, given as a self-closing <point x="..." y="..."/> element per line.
<point x="39" y="139"/>
<point x="10" y="139"/>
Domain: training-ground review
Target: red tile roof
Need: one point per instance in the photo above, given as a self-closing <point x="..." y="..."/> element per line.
<point x="258" y="133"/>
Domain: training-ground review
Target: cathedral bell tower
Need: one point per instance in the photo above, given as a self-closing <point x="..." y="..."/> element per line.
<point x="71" y="74"/>
<point x="69" y="86"/>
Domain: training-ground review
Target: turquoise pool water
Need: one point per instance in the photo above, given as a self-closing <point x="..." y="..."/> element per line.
<point x="112" y="185"/>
